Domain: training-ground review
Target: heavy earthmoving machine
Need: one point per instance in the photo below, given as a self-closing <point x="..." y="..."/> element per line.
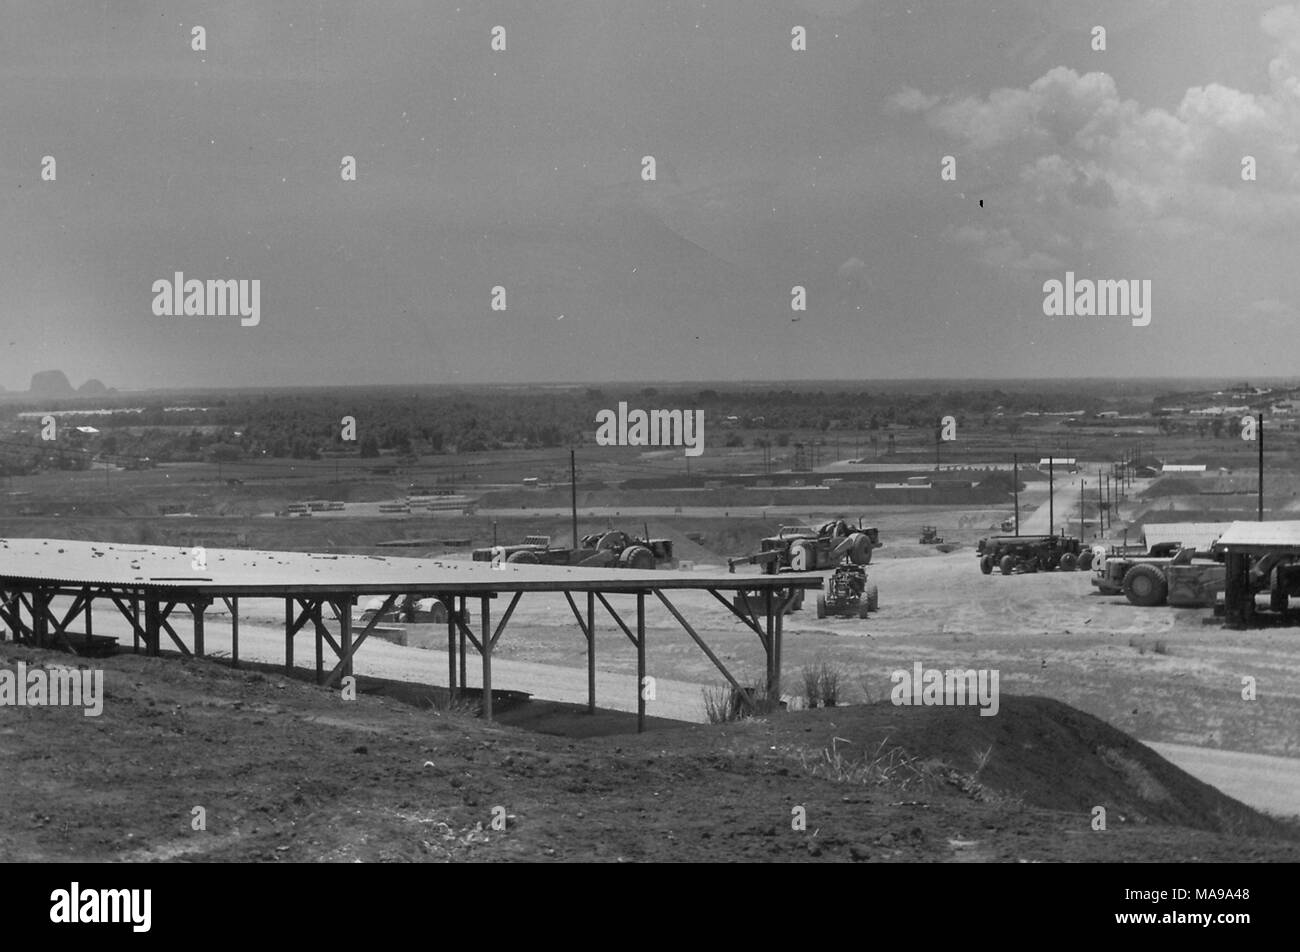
<point x="848" y="592"/>
<point x="1031" y="553"/>
<point x="1183" y="571"/>
<point x="930" y="536"/>
<point x="807" y="549"/>
<point x="611" y="549"/>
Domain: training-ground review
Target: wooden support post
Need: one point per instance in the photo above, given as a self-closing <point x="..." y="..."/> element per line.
<point x="463" y="663"/>
<point x="591" y="653"/>
<point x="197" y="608"/>
<point x="289" y="632"/>
<point x="640" y="662"/>
<point x="777" y="619"/>
<point x="135" y="624"/>
<point x="320" y="645"/>
<point x="152" y="626"/>
<point x="485" y="648"/>
<point x="1237" y="596"/>
<point x="90" y="625"/>
<point x="451" y="646"/>
<point x="771" y="643"/>
<point x="345" y="633"/>
<point x="40" y="621"/>
<point x="233" y="604"/>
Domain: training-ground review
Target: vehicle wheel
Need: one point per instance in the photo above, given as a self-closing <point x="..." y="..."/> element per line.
<point x="438" y="613"/>
<point x="860" y="550"/>
<point x="523" y="556"/>
<point x="1145" y="585"/>
<point x="1007" y="564"/>
<point x="803" y="556"/>
<point x="872" y="596"/>
<point x="821" y="606"/>
<point x="1068" y="562"/>
<point x="1048" y="562"/>
<point x="1084" y="561"/>
<point x="986" y="564"/>
<point x="637" y="557"/>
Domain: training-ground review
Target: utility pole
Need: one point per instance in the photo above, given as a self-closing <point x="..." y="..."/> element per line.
<point x="1051" y="515"/>
<point x="1082" y="484"/>
<point x="1015" y="486"/>
<point x="1101" y="505"/>
<point x="573" y="497"/>
<point x="1259" y="437"/>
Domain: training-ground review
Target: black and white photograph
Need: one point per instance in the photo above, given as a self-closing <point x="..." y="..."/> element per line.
<point x="682" y="431"/>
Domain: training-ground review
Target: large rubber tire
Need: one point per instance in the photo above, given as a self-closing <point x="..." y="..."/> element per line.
<point x="1007" y="564"/>
<point x="860" y="551"/>
<point x="986" y="564"/>
<point x="803" y="556"/>
<point x="438" y="613"/>
<point x="821" y="606"/>
<point x="637" y="557"/>
<point x="523" y="555"/>
<point x="1084" y="561"/>
<point x="1048" y="562"/>
<point x="1068" y="562"/>
<point x="1278" y="599"/>
<point x="1145" y="585"/>
<point x="872" y="598"/>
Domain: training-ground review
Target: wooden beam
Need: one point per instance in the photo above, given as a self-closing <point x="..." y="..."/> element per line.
<point x="591" y="653"/>
<point x="345" y="663"/>
<point x="640" y="662"/>
<point x="749" y="620"/>
<point x="717" y="663"/>
<point x="486" y="652"/>
<point x="613" y="614"/>
<point x="501" y="625"/>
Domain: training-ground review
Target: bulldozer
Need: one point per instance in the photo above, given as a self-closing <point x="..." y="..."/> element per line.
<point x="848" y="593"/>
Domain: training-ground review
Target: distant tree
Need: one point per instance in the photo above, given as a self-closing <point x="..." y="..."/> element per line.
<point x="369" y="446"/>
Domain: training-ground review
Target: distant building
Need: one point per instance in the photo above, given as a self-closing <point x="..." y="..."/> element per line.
<point x="1183" y="468"/>
<point x="1067" y="463"/>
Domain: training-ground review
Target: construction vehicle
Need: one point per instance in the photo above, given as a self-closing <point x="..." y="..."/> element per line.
<point x="1179" y="567"/>
<point x="808" y="549"/>
<point x="1031" y="553"/>
<point x="410" y="610"/>
<point x="930" y="536"/>
<point x="848" y="593"/>
<point x="611" y="549"/>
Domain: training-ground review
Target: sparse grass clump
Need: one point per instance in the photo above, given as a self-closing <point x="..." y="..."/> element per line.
<point x="723" y="705"/>
<point x="821" y="684"/>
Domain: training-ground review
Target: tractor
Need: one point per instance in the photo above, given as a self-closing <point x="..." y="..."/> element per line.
<point x="605" y="549"/>
<point x="848" y="593"/>
<point x="930" y="536"/>
<point x="1032" y="553"/>
<point x="809" y="549"/>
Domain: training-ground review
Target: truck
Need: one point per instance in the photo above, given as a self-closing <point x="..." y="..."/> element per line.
<point x="1025" y="554"/>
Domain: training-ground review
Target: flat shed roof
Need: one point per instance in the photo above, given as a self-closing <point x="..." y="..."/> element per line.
<point x="271" y="573"/>
<point x="1243" y="535"/>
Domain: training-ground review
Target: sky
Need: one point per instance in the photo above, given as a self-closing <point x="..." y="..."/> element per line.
<point x="775" y="168"/>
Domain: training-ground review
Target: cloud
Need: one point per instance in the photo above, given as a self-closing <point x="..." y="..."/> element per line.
<point x="1094" y="165"/>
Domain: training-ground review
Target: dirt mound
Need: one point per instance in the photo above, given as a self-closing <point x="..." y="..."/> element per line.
<point x="1046" y="753"/>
